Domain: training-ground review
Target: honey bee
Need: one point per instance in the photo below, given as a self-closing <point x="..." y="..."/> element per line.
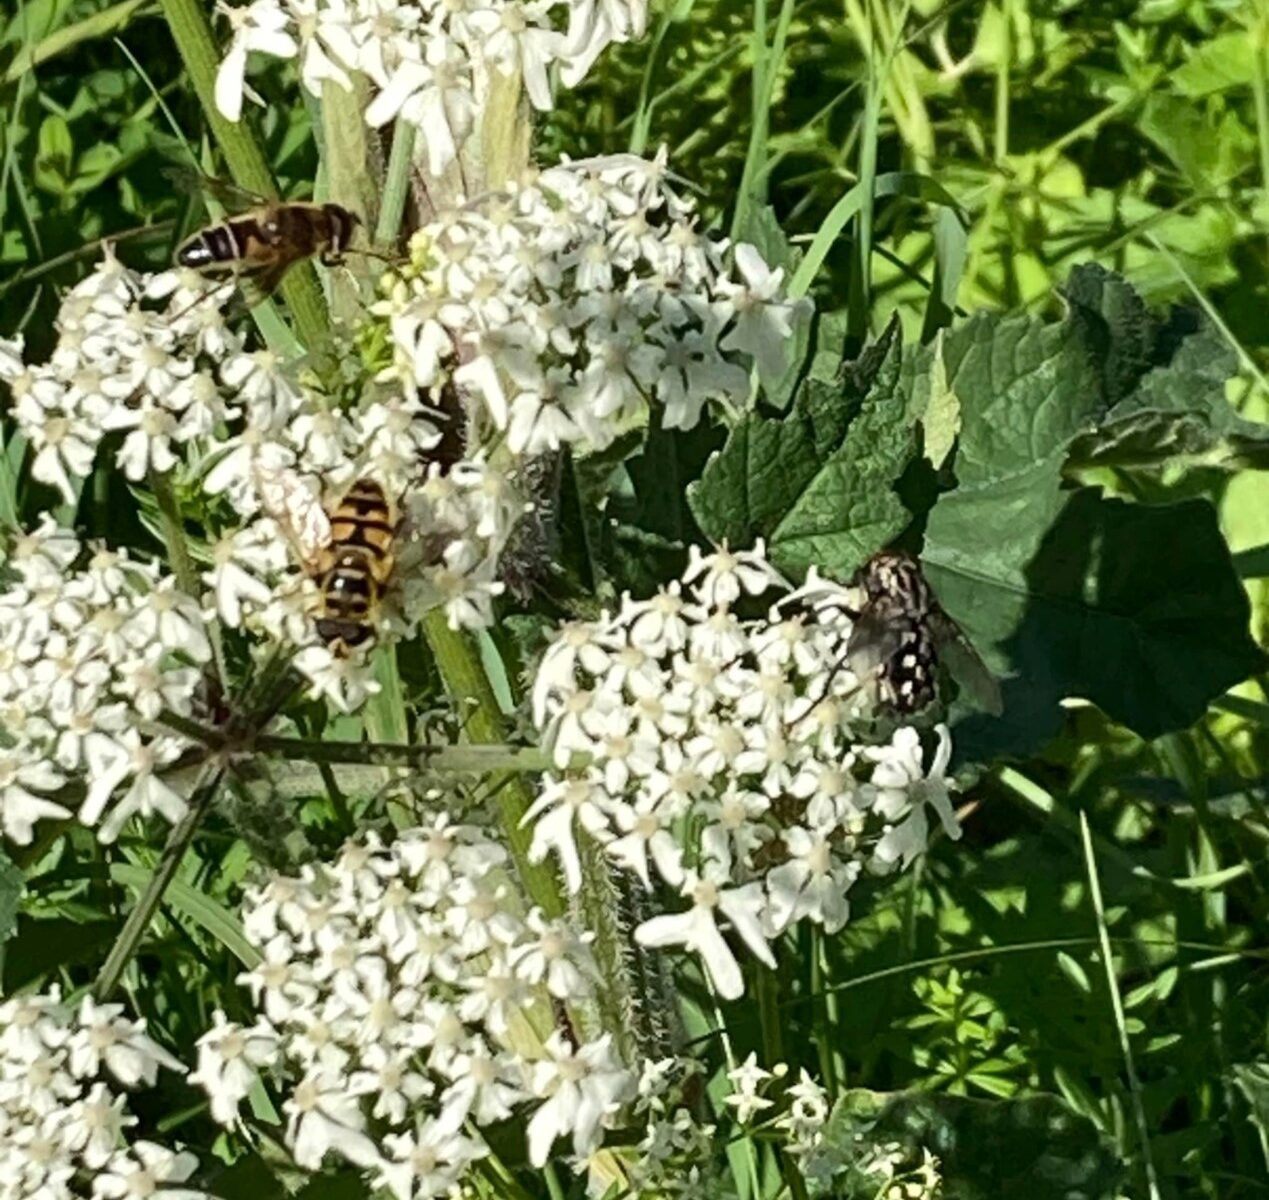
<point x="263" y="243"/>
<point x="900" y="634"/>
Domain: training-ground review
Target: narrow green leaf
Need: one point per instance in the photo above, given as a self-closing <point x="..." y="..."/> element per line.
<point x="210" y="916"/>
<point x="99" y="25"/>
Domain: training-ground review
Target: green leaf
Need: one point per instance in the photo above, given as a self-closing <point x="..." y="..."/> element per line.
<point x="56" y="155"/>
<point x="1252" y="1080"/>
<point x="98" y="25"/>
<point x="1135" y="608"/>
<point x="818" y="482"/>
<point x="1164" y="383"/>
<point x="941" y="421"/>
<point x="1217" y="65"/>
<point x="205" y="912"/>
<point x="987" y="1149"/>
<point x="12" y="884"/>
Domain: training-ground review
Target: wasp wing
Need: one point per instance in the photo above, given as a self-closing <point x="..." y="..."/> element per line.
<point x="965" y="663"/>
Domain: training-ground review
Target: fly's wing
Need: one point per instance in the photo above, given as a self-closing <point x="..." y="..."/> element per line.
<point x="876" y="637"/>
<point x="258" y="286"/>
<point x="965" y="664"/>
<point x="234" y="198"/>
<point x="297" y="509"/>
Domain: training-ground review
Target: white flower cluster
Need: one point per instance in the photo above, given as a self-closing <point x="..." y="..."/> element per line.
<point x="399" y="998"/>
<point x="730" y="758"/>
<point x="567" y="305"/>
<point x="62" y="1124"/>
<point x="430" y="63"/>
<point x="835" y="1152"/>
<point x="154" y="356"/>
<point x="91" y="653"/>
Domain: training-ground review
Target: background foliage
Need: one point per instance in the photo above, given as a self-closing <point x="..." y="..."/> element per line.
<point x="909" y="161"/>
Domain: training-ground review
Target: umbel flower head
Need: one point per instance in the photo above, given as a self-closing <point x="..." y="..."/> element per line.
<point x="64" y="1117"/>
<point x="95" y="646"/>
<point x="398" y="994"/>
<point x="732" y="760"/>
<point x="150" y="367"/>
<point x="431" y="63"/>
<point x="568" y="306"/>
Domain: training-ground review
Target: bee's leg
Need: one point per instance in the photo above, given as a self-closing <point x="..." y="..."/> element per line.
<point x="332" y="258"/>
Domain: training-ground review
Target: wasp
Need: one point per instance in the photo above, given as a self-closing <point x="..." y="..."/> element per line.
<point x="354" y="569"/>
<point x="265" y="242"/>
<point x="901" y="633"/>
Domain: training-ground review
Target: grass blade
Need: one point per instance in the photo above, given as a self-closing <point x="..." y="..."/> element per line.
<point x="1117" y="1005"/>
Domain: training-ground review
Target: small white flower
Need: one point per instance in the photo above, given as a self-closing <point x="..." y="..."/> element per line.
<point x="696" y="929"/>
<point x="579" y="1089"/>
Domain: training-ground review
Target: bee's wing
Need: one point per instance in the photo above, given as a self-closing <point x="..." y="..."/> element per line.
<point x="191" y="179"/>
<point x="965" y="664"/>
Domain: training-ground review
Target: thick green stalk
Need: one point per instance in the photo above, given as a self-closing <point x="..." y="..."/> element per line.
<point x="125" y="947"/>
<point x="396" y="187"/>
<point x="466" y="681"/>
<point x="187" y="19"/>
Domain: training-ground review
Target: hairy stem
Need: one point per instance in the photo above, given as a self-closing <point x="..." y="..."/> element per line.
<point x="129" y="939"/>
<point x="187" y="19"/>
<point x="396" y="187"/>
<point x="466" y="681"/>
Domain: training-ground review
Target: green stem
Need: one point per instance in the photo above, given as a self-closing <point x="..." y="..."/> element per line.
<point x="396" y="187"/>
<point x="483" y="759"/>
<point x="553" y="1185"/>
<point x="1260" y="92"/>
<point x="1001" y="151"/>
<point x="465" y="680"/>
<point x="182" y="564"/>
<point x="121" y="953"/>
<point x="1117" y="1007"/>
<point x="187" y="19"/>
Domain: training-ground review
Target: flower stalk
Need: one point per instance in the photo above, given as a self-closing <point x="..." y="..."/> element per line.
<point x="465" y="679"/>
<point x="178" y="842"/>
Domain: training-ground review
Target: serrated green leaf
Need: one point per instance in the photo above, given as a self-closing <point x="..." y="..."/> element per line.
<point x="1038" y="1147"/>
<point x="12" y="884"/>
<point x="1217" y="65"/>
<point x="818" y="484"/>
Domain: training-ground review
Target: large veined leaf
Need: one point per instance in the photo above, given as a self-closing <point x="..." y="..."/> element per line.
<point x="987" y="1149"/>
<point x="817" y="483"/>
<point x="1136" y="608"/>
<point x="1164" y="384"/>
